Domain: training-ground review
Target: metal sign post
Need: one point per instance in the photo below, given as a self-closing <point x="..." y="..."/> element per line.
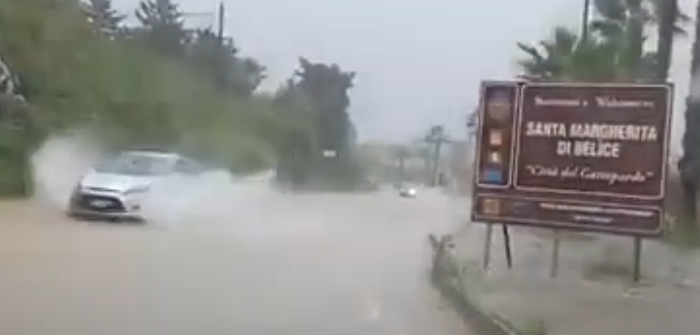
<point x="486" y="262"/>
<point x="637" y="266"/>
<point x="507" y="246"/>
<point x="554" y="265"/>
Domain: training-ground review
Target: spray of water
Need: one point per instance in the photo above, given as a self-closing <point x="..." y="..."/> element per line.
<point x="59" y="163"/>
<point x="312" y="261"/>
<point x="218" y="200"/>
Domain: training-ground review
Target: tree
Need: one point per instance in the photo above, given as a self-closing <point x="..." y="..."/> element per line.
<point x="219" y="60"/>
<point x="102" y="15"/>
<point x="614" y="51"/>
<point x="128" y="94"/>
<point x="142" y="94"/>
<point x="208" y="55"/>
<point x="564" y="57"/>
<point x="327" y="87"/>
<point x="245" y="75"/>
<point x="294" y="135"/>
<point x="622" y="23"/>
<point x="162" y="26"/>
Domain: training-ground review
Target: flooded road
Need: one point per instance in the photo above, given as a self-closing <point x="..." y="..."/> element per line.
<point x="313" y="264"/>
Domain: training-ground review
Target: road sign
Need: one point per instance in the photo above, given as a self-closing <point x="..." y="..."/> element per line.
<point x="589" y="157"/>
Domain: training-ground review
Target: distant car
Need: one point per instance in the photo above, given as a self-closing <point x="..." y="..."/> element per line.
<point x="408" y="191"/>
<point x="114" y="189"/>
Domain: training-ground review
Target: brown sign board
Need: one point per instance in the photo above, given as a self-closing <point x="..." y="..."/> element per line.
<point x="588" y="157"/>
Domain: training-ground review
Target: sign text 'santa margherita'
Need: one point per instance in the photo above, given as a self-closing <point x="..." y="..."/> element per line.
<point x="596" y="141"/>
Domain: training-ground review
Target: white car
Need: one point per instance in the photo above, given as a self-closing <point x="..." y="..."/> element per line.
<point x="114" y="189"/>
<point x="408" y="191"/>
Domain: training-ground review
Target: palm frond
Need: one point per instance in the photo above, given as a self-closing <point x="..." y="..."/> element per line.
<point x="531" y="51"/>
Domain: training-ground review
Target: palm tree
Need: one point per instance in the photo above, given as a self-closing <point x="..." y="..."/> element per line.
<point x="614" y="51"/>
<point x="622" y="23"/>
<point x="565" y="57"/>
<point x="670" y="23"/>
<point x="547" y="60"/>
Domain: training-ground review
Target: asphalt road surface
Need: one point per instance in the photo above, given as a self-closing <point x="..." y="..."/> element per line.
<point x="293" y="265"/>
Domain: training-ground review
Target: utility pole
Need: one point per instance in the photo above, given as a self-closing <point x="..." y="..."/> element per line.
<point x="222" y="17"/>
<point x="401" y="154"/>
<point x="438" y="143"/>
<point x="222" y="48"/>
<point x="585" y="18"/>
<point x="436" y="138"/>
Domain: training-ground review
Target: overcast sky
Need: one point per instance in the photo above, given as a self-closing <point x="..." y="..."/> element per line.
<point x="418" y="62"/>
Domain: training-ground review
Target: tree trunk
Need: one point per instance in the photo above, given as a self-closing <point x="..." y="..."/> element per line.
<point x="689" y="163"/>
<point x="634" y="40"/>
<point x="668" y="12"/>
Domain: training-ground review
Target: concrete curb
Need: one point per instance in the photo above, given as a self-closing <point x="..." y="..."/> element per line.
<point x="447" y="282"/>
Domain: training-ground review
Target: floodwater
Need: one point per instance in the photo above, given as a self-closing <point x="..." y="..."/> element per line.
<point x="266" y="263"/>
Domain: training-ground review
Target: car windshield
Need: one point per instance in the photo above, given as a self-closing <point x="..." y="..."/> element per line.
<point x="136" y="164"/>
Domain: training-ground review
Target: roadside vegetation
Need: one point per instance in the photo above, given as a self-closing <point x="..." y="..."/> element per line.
<point x="157" y="84"/>
<point x="615" y="45"/>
